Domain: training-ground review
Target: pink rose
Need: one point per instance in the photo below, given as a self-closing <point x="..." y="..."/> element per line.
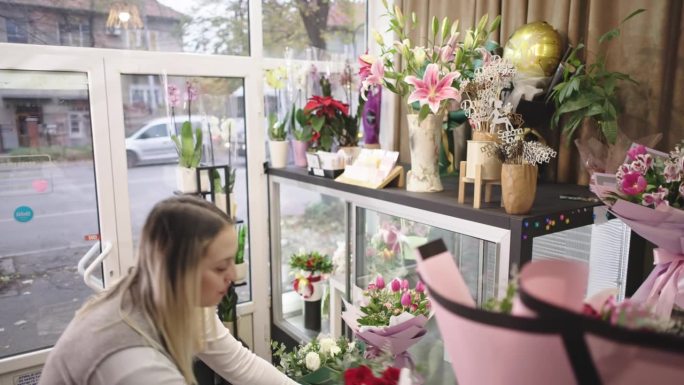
<point x="633" y="183"/>
<point x="636" y="150"/>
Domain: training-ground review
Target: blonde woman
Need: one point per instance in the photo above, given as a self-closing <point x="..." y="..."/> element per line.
<point x="149" y="326"/>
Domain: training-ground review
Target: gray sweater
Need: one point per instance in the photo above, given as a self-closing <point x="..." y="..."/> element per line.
<point x="90" y="339"/>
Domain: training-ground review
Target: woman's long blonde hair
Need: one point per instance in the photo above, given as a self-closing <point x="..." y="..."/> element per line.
<point x="165" y="284"/>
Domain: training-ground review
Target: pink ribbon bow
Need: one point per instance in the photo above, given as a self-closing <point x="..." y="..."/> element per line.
<point x="661" y="290"/>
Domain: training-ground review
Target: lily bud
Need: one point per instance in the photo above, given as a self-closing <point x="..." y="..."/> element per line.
<point x="399" y="16"/>
<point x="419" y="55"/>
<point x="378" y="38"/>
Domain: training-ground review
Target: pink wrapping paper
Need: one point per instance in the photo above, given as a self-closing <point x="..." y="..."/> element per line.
<point x="396" y="339"/>
<point x="619" y="355"/>
<point x="492" y="348"/>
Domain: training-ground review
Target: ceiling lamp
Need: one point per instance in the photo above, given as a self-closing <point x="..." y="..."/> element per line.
<point x="124" y="15"/>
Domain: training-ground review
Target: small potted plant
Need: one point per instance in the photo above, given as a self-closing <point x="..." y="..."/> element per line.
<point x="220" y="191"/>
<point x="241" y="266"/>
<point x="588" y="92"/>
<point x="311" y="270"/>
<point x="277" y="134"/>
<point x="226" y="309"/>
<point x="189" y="145"/>
<point x="303" y="132"/>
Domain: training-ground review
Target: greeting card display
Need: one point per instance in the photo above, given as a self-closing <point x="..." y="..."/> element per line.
<point x="373" y="168"/>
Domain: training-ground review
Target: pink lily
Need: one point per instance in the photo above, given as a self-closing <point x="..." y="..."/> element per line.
<point x="365" y="63"/>
<point x="377" y="73"/>
<point x="431" y="90"/>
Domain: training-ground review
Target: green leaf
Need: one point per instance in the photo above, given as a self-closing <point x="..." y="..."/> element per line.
<point x="317" y="122"/>
<point x="424" y="111"/>
<point x="495" y="24"/>
<point x="609" y="129"/>
<point x="610" y="110"/>
<point x="610" y="35"/>
<point x="574" y="105"/>
<point x="631" y="15"/>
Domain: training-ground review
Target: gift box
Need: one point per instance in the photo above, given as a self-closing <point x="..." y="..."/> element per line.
<point x="325" y="164"/>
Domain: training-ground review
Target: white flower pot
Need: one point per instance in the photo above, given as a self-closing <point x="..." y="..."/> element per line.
<point x="491" y="165"/>
<point x="220" y="201"/>
<point x="241" y="272"/>
<point x="186" y="180"/>
<point x="425" y="139"/>
<point x="278" y="151"/>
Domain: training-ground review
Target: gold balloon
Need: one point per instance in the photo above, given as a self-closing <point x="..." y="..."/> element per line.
<point x="534" y="49"/>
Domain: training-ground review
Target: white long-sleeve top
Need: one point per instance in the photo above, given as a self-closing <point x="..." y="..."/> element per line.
<point x="223" y="354"/>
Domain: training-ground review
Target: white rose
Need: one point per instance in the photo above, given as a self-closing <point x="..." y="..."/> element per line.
<point x="313" y="361"/>
<point x="335" y="350"/>
<point x="326" y="345"/>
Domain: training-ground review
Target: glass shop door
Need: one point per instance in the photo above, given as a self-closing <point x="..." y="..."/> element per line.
<point x="56" y="201"/>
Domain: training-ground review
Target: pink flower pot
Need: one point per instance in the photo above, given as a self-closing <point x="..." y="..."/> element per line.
<point x="299" y="149"/>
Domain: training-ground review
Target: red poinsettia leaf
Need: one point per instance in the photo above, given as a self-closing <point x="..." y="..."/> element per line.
<point x="358" y="376"/>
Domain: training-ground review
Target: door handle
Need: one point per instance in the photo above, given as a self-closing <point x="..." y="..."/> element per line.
<point x="93" y="282"/>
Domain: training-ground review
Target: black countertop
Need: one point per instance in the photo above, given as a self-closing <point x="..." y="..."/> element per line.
<point x="547" y="204"/>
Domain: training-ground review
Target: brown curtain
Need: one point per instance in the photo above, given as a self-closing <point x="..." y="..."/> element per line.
<point x="650" y="49"/>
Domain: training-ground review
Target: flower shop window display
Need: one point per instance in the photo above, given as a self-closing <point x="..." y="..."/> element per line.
<point x="311" y="270"/>
<point x="189" y="144"/>
<point x="520" y="151"/>
<point x="391" y="318"/>
<point x="431" y="74"/>
<point x="647" y="193"/>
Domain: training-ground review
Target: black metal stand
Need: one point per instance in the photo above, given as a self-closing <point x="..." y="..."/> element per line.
<point x="312" y="315"/>
<point x="212" y="189"/>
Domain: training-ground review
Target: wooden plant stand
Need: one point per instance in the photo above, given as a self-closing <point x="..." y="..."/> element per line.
<point x="477" y="188"/>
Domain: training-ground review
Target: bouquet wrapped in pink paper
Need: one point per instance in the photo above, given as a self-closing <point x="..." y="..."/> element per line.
<point x="647" y="193"/>
<point x="547" y="338"/>
<point x="488" y="347"/>
<point x="610" y="343"/>
<point x="392" y="319"/>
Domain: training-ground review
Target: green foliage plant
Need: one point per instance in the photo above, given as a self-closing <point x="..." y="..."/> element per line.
<point x="188" y="146"/>
<point x="590" y="91"/>
<point x="242" y="238"/>
<point x="277" y="130"/>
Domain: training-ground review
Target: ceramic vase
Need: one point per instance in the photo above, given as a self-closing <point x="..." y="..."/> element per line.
<point x="278" y="149"/>
<point x="299" y="148"/>
<point x="241" y="271"/>
<point x="424" y="140"/>
<point x="518" y="187"/>
<point x="186" y="180"/>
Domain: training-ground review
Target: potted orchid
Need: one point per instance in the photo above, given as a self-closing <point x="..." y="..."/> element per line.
<point x="430" y="76"/>
<point x="189" y="144"/>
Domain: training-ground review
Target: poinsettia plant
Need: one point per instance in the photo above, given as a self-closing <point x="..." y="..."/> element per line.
<point x="312" y="261"/>
<point x="363" y="375"/>
<point x="325" y="117"/>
